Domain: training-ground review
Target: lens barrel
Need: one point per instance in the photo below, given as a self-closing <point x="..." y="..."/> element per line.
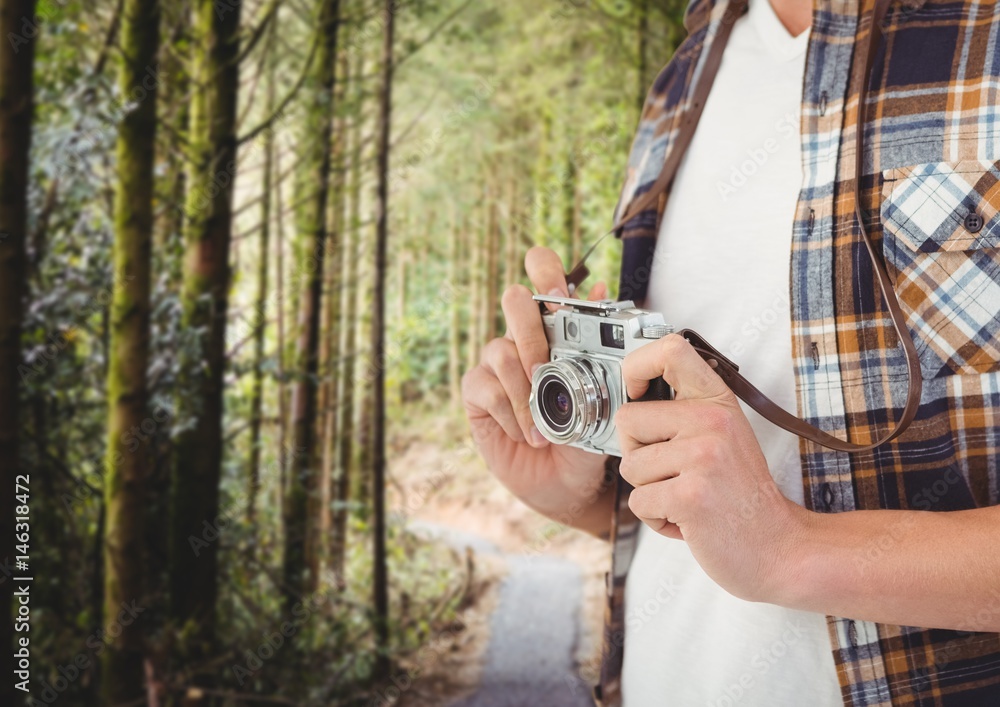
<point x="570" y="400"/>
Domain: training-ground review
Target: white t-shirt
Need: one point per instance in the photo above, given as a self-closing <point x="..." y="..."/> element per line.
<point x="722" y="269"/>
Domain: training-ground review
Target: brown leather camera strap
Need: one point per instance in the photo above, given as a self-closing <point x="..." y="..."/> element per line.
<point x="728" y="370"/>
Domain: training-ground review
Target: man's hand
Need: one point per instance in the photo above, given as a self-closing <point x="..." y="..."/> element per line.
<point x="564" y="483"/>
<point x="699" y="473"/>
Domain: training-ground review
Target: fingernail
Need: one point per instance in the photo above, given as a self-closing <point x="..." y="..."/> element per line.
<point x="536" y="437"/>
<point x="558" y="292"/>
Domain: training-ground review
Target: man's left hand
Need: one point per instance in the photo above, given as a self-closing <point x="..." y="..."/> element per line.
<point x="699" y="473"/>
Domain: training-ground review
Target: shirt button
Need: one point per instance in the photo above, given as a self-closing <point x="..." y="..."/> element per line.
<point x="974" y="222"/>
<point x="826" y="493"/>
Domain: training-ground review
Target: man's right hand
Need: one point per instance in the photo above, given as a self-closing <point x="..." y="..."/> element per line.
<point x="562" y="482"/>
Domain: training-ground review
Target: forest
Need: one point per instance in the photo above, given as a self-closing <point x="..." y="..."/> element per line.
<point x="247" y="251"/>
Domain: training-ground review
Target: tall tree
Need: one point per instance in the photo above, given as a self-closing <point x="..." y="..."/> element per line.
<point x="260" y="307"/>
<point x="17" y="62"/>
<point x="349" y="322"/>
<point x="491" y="309"/>
<point x="174" y="114"/>
<point x="476" y="279"/>
<point x="569" y="196"/>
<point x="205" y="301"/>
<point x="126" y="467"/>
<point x="284" y="455"/>
<point x="301" y="515"/>
<point x="455" y="327"/>
<point x="335" y="478"/>
<point x="380" y="581"/>
<point x="512" y="244"/>
<point x="642" y="50"/>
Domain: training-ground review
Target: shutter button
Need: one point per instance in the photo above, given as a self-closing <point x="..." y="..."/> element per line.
<point x="974" y="222"/>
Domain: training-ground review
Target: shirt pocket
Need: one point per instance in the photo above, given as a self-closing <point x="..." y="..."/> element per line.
<point x="941" y="232"/>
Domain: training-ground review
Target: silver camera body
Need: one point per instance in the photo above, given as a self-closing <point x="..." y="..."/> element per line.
<point x="575" y="396"/>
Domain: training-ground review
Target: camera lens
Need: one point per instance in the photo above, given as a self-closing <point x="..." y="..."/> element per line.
<point x="557" y="404"/>
<point x="570" y="400"/>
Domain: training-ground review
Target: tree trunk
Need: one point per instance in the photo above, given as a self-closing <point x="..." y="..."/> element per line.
<point x="577" y="223"/>
<point x="328" y="369"/>
<point x="301" y="509"/>
<point x="126" y="467"/>
<point x="259" y="319"/>
<point x="204" y="301"/>
<point x="402" y="266"/>
<point x="176" y="21"/>
<point x="455" y="328"/>
<point x="380" y="584"/>
<point x="335" y="473"/>
<point x="476" y="324"/>
<point x="513" y="250"/>
<point x="348" y="481"/>
<point x="16" y="108"/>
<point x="642" y="63"/>
<point x="492" y="310"/>
<point x="569" y="207"/>
<point x="279" y="268"/>
<point x="543" y="197"/>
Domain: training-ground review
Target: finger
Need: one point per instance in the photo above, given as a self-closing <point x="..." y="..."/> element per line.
<point x="483" y="392"/>
<point x="546" y="273"/>
<point x="650" y="504"/>
<point x="500" y="357"/>
<point x="651" y="463"/>
<point x="676" y="361"/>
<point x="524" y="327"/>
<point x="648" y="422"/>
<point x="598" y="292"/>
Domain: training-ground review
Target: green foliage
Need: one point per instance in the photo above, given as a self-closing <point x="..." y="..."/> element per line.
<point x="531" y="103"/>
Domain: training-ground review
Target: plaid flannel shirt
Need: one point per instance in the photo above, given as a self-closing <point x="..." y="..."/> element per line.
<point x="931" y="186"/>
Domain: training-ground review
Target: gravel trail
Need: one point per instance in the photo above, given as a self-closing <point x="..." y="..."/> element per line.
<point x="533" y="632"/>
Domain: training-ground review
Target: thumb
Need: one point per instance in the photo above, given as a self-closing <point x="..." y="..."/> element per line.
<point x="545" y="271"/>
<point x="598" y="292"/>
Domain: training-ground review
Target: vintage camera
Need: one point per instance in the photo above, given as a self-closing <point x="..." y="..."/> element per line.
<point x="575" y="396"/>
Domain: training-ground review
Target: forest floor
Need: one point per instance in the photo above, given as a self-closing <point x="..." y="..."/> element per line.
<point x="529" y="573"/>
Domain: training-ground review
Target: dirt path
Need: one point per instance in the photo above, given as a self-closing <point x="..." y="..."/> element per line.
<point x="535" y="630"/>
<point x="531" y="659"/>
<point x="537" y="641"/>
